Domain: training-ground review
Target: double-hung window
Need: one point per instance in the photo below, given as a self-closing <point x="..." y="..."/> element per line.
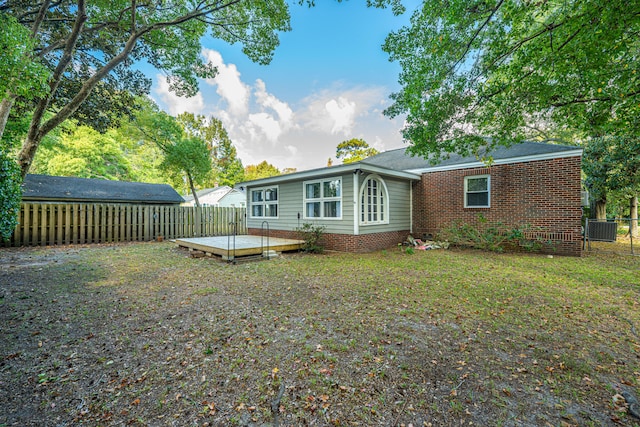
<point x="323" y="199"/>
<point x="477" y="191"/>
<point x="264" y="202"/>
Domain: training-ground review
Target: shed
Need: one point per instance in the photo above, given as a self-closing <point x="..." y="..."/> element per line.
<point x="64" y="189"/>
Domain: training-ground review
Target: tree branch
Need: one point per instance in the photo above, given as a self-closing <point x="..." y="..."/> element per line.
<point x="65" y="60"/>
<point x="39" y="18"/>
<point x="592" y="99"/>
<point x="475" y="36"/>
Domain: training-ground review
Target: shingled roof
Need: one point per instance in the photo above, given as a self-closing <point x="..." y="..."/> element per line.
<point x="46" y="188"/>
<point x="526" y="151"/>
<point x="219" y="193"/>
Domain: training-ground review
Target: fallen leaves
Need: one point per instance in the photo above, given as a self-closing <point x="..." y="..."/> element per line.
<point x="330" y="338"/>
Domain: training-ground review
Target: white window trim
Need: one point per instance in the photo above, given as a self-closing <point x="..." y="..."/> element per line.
<point x="264" y="203"/>
<point x="321" y="199"/>
<point x="385" y="193"/>
<point x="466" y="180"/>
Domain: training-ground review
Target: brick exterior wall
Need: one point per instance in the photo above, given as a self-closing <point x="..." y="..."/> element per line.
<point x="544" y="194"/>
<point x="347" y="242"/>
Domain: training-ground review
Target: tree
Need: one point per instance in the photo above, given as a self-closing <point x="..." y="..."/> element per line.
<point x="86" y="153"/>
<point x="22" y="75"/>
<point x="612" y="165"/>
<point x="354" y="150"/>
<point x="510" y="70"/>
<point x="92" y="47"/>
<point x="184" y="155"/>
<point x="188" y="156"/>
<point x="261" y="170"/>
<point x="226" y="166"/>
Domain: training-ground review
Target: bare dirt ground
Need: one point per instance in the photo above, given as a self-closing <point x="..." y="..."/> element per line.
<point x="142" y="334"/>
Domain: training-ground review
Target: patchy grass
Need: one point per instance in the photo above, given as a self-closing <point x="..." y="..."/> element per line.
<point x="142" y="334"/>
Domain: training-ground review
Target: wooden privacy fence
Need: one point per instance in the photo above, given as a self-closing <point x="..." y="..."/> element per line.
<point x="81" y="223"/>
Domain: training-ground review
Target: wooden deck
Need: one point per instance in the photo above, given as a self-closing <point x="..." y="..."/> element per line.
<point x="245" y="245"/>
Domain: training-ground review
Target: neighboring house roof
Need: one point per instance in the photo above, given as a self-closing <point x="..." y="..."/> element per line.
<point x="331" y="170"/>
<point x="214" y="195"/>
<point x="63" y="188"/>
<point x="523" y="152"/>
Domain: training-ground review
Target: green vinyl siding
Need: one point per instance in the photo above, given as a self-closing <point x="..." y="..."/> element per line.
<point x="399" y="207"/>
<point x="291" y="203"/>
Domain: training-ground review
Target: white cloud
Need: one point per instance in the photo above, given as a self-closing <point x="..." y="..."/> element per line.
<point x="266" y="124"/>
<point x="302" y="135"/>
<point x="342" y="114"/>
<point x="228" y="84"/>
<point x="267" y="100"/>
<point x="274" y="118"/>
<point x="291" y="149"/>
<point x="177" y="104"/>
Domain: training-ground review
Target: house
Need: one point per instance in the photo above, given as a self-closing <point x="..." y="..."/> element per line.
<point x="223" y="196"/>
<point x="64" y="189"/>
<point x="377" y="202"/>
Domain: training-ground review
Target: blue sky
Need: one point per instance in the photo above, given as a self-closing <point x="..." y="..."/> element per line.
<point x="329" y="81"/>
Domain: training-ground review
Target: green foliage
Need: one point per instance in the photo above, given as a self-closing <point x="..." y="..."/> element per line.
<point x="227" y="168"/>
<point x="261" y="170"/>
<point x="85" y="153"/>
<point x="311" y="234"/>
<point x="612" y="163"/>
<point x="185" y="156"/>
<point x="89" y="48"/>
<point x="10" y="194"/>
<point x="22" y="75"/>
<point x="354" y="150"/>
<point x="188" y="155"/>
<point x="510" y="70"/>
<point x="495" y="237"/>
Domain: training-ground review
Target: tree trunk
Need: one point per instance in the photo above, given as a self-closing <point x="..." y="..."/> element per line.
<point x="601" y="209"/>
<point x="5" y="109"/>
<point x="633" y="214"/>
<point x="193" y="190"/>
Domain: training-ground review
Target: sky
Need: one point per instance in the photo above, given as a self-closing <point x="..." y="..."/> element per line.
<point x="329" y="81"/>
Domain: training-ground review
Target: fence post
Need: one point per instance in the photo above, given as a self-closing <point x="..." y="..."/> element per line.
<point x="78" y="228"/>
<point x="26" y="235"/>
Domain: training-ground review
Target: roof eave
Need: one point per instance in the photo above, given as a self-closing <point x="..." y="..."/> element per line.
<point x="329" y="171"/>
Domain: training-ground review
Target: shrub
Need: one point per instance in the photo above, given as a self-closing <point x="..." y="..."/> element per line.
<point x="494" y="237"/>
<point x="311" y="234"/>
<point x="10" y="194"/>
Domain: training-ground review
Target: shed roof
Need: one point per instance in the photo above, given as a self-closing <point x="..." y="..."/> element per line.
<point x="399" y="159"/>
<point x="66" y="189"/>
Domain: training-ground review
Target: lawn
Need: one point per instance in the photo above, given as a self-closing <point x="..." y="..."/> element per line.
<point x="143" y="334"/>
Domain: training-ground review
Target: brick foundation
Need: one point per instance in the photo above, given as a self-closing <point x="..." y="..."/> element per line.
<point x="544" y="195"/>
<point x="347" y="242"/>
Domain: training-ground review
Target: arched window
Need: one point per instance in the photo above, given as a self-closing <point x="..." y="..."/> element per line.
<point x="374" y="201"/>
